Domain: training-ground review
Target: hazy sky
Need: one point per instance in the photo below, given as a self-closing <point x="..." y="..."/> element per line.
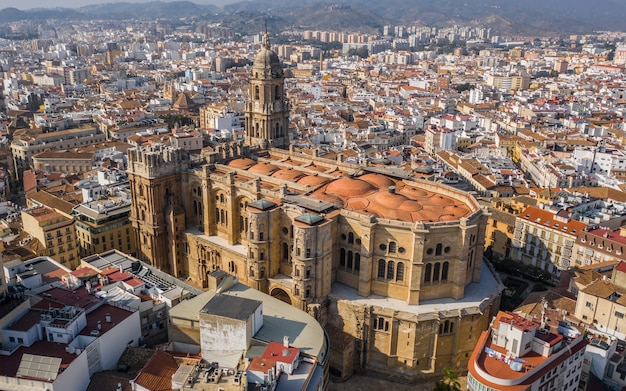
<point x="28" y="4"/>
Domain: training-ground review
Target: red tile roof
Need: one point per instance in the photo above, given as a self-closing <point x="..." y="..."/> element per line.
<point x="547" y="219"/>
<point x="157" y="373"/>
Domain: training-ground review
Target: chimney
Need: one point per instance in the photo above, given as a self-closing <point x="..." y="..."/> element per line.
<point x="99" y="325"/>
<point x="286" y="341"/>
<point x="107" y="317"/>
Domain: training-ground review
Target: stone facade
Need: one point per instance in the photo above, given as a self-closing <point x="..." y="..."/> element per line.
<point x="308" y="228"/>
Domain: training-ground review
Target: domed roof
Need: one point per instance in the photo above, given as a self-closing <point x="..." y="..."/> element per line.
<point x="266" y="63"/>
<point x="264" y="169"/>
<point x="288" y="175"/>
<point x="312" y="180"/>
<point x="438" y="199"/>
<point x="378" y="180"/>
<point x="348" y="187"/>
<point x="410" y="206"/>
<point x="313" y="167"/>
<point x="413" y="192"/>
<point x="241" y="163"/>
<point x="389" y="200"/>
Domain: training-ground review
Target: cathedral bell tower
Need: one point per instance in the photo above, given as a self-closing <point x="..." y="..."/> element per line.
<point x="267" y="111"/>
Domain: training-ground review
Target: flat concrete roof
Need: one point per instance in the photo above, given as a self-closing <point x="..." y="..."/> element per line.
<point x="237" y="248"/>
<point x="279" y="319"/>
<point x="229" y="306"/>
<point x="477" y="297"/>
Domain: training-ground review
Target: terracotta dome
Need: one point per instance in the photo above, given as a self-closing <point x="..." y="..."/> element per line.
<point x="380" y="181"/>
<point x="287" y="175"/>
<point x="456" y="210"/>
<point x="432" y="214"/>
<point x="413" y="192"/>
<point x="313" y="167"/>
<point x="440" y="200"/>
<point x="373" y="194"/>
<point x="410" y="206"/>
<point x="264" y="169"/>
<point x="321" y="195"/>
<point x="312" y="180"/>
<point x="357" y="203"/>
<point x="388" y="200"/>
<point x="242" y="163"/>
<point x="348" y="187"/>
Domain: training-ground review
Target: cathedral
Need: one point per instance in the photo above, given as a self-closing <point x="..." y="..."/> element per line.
<point x="390" y="265"/>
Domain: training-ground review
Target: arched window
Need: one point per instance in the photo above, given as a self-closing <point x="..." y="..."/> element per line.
<point x="350" y="237"/>
<point x="262" y="273"/>
<point x="390" y="270"/>
<point x="444" y="271"/>
<point x="342" y="257"/>
<point x="400" y="272"/>
<point x="438" y="249"/>
<point x="276" y="93"/>
<point x="251" y="271"/>
<point x="350" y="259"/>
<point x="357" y="262"/>
<point x="436" y="270"/>
<point x="428" y="269"/>
<point x="392" y="247"/>
<point x="221" y="198"/>
<point x="285" y="251"/>
<point x="257" y="92"/>
<point x="381" y="268"/>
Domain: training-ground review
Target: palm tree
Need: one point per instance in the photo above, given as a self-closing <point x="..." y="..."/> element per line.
<point x="449" y="382"/>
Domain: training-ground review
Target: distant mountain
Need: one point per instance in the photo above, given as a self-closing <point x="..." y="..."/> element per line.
<point x="152" y="10"/>
<point x="13" y="14"/>
<point x="556" y="16"/>
<point x="527" y="17"/>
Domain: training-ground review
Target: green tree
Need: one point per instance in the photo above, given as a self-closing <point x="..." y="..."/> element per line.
<point x="449" y="382"/>
<point x="361" y="52"/>
<point x="173" y="119"/>
<point x="464" y="87"/>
